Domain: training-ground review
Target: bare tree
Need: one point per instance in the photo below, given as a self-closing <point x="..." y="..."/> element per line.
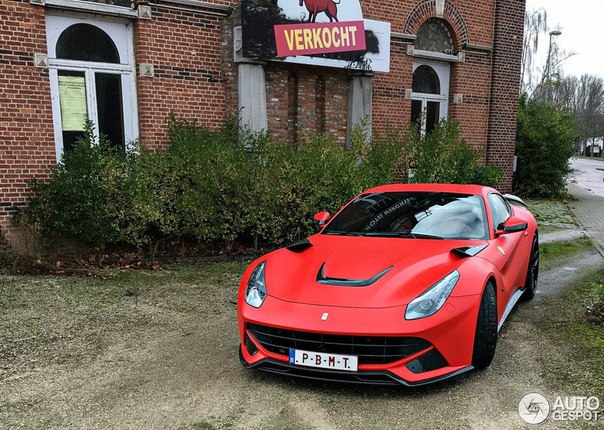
<point x="585" y="97"/>
<point x="537" y="81"/>
<point x="535" y="24"/>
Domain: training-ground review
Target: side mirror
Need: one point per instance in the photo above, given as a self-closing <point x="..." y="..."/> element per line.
<point x="322" y="217"/>
<point x="511" y="225"/>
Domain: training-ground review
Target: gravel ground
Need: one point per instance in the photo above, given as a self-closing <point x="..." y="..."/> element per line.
<point x="159" y="350"/>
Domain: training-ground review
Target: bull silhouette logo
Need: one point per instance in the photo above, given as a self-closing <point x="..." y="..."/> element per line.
<point x="315" y="7"/>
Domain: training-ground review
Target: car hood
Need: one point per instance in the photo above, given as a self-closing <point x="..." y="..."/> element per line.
<point x="370" y="272"/>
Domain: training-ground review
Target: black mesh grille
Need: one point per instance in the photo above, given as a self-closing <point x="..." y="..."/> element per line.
<point x="369" y="349"/>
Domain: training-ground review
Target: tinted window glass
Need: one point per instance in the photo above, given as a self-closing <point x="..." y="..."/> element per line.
<point x="109" y="107"/>
<point x="500" y="210"/>
<point x="439" y="215"/>
<point x="74" y="107"/>
<point x="86" y="42"/>
<point x="416" y="111"/>
<point x="425" y="80"/>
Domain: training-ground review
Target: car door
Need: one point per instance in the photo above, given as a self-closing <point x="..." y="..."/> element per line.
<point x="507" y="246"/>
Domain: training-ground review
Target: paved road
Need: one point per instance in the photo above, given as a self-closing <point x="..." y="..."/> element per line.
<point x="587" y="176"/>
<point x="586" y="184"/>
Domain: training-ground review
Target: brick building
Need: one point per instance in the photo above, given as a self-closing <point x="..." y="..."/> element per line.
<point x="126" y="66"/>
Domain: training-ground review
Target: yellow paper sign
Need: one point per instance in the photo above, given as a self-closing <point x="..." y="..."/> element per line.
<point x="72" y="95"/>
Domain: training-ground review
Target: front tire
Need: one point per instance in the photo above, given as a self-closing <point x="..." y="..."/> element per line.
<point x="530" y="285"/>
<point x="485" y="339"/>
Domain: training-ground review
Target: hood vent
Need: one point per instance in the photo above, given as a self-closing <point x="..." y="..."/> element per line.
<point x="468" y="251"/>
<point x="300" y="246"/>
<point x="322" y="279"/>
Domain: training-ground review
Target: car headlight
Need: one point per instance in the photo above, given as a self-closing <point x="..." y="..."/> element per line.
<point x="255" y="293"/>
<point x="433" y="298"/>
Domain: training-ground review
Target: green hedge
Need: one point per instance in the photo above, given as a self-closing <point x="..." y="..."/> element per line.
<point x="544" y="143"/>
<point x="217" y="187"/>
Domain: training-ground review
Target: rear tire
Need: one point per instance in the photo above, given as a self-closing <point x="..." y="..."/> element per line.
<point x="532" y="275"/>
<point x="485" y="339"/>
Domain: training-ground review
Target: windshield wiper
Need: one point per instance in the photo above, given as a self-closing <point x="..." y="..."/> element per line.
<point x="407" y="234"/>
<point x="389" y="234"/>
<point x="343" y="233"/>
<point x="425" y="236"/>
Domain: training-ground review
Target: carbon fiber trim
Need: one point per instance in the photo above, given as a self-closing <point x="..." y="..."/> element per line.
<point x="363" y="377"/>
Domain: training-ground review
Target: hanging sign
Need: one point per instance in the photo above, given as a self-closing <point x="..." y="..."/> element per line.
<point x="315" y="32"/>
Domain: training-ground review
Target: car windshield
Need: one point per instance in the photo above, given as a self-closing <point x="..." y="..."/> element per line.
<point x="412" y="214"/>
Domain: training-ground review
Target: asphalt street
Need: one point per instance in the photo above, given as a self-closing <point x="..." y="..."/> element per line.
<point x="586" y="185"/>
<point x="588" y="174"/>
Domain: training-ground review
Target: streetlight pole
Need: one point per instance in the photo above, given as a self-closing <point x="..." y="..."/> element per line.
<point x="548" y="65"/>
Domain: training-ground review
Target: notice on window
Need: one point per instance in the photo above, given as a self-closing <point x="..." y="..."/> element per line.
<point x="72" y="96"/>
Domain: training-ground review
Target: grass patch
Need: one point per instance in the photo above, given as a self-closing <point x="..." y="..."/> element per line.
<point x="544" y="229"/>
<point x="582" y="157"/>
<point x="554" y="213"/>
<point x="554" y="252"/>
<point x="583" y="328"/>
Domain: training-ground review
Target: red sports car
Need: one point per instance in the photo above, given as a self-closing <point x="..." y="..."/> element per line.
<point x="406" y="284"/>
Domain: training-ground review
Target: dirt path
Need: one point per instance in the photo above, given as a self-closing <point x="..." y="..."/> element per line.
<point x="181" y="370"/>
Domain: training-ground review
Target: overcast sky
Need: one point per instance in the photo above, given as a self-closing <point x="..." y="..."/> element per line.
<point x="582" y="26"/>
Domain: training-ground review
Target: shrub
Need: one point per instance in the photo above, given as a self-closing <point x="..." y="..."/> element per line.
<point x="443" y="156"/>
<point x="544" y="144"/>
<point x="211" y="173"/>
<point x="296" y="181"/>
<point x="381" y="161"/>
<point x="82" y="198"/>
<point x="219" y="186"/>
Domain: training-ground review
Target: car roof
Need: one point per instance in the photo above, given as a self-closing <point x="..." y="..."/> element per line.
<point x="442" y="188"/>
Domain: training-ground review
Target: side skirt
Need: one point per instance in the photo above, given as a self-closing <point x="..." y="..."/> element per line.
<point x="510" y="306"/>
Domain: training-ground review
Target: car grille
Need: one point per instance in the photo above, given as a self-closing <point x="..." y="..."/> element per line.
<point x="369" y="349"/>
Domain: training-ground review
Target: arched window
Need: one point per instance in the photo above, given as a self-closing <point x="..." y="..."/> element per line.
<point x="430" y="91"/>
<point x="86" y="42"/>
<point x="434" y="35"/>
<point x="91" y="79"/>
<point x="425" y="80"/>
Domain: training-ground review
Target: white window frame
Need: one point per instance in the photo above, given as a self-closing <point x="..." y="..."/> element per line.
<point x="443" y="71"/>
<point x="121" y="32"/>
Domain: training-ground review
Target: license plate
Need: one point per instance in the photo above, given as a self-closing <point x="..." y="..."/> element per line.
<point x="323" y="360"/>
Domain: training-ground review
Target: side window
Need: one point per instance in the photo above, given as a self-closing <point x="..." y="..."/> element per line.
<point x="500" y="209"/>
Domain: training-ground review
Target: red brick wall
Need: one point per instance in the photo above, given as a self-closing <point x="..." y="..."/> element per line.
<point x="196" y="77"/>
<point x="27" y="148"/>
<point x="292" y="101"/>
<point x="471" y="79"/>
<point x="505" y="86"/>
<point x="390" y="108"/>
<point x="289" y="84"/>
<point x="468" y="24"/>
<point x="185" y="49"/>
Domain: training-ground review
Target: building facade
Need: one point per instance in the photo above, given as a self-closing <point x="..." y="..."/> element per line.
<point x="125" y="66"/>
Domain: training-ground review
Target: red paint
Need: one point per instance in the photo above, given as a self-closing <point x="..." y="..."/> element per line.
<point x="315" y="7"/>
<point x="319" y="38"/>
<point x="296" y="301"/>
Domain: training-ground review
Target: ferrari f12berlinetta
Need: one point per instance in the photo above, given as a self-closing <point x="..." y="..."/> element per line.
<point x="406" y="284"/>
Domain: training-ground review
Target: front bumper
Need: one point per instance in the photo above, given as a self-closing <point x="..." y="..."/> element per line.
<point x="449" y="333"/>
